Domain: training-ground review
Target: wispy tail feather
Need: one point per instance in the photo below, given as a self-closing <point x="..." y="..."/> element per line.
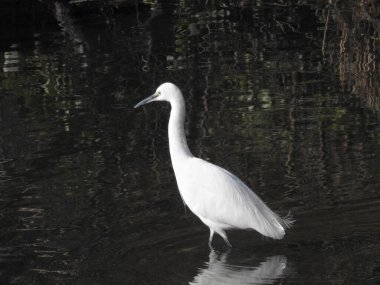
<point x="288" y="220"/>
<point x="274" y="226"/>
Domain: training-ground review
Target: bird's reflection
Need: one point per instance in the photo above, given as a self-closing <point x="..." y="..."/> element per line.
<point x="219" y="272"/>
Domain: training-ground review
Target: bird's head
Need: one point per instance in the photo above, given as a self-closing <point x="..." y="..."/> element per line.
<point x="165" y="92"/>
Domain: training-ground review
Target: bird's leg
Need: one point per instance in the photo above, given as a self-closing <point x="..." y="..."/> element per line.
<point x="210" y="239"/>
<point x="224" y="236"/>
<point x="227" y="242"/>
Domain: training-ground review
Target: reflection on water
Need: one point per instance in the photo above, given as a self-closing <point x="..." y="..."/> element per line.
<point x="355" y="30"/>
<point x="11" y="61"/>
<point x="87" y="192"/>
<point x="218" y="271"/>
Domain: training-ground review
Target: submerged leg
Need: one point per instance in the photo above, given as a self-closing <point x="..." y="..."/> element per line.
<point x="210" y="239"/>
<point x="224" y="236"/>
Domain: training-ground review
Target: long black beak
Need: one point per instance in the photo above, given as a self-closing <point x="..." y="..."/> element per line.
<point x="146" y="101"/>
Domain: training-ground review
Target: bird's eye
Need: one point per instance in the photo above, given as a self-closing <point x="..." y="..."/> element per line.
<point x="158" y="93"/>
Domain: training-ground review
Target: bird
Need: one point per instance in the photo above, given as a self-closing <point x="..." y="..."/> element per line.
<point x="221" y="200"/>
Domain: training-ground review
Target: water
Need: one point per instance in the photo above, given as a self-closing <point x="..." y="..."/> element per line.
<point x="274" y="94"/>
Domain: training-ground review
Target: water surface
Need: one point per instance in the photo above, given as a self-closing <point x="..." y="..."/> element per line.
<point x="275" y="94"/>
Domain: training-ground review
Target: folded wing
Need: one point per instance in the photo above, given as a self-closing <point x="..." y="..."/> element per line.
<point x="217" y="195"/>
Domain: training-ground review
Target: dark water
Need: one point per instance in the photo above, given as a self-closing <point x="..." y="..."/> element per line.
<point x="282" y="95"/>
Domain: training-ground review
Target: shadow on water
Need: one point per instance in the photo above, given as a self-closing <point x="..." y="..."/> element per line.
<point x="282" y="94"/>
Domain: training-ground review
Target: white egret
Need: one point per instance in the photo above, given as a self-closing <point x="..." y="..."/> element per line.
<point x="219" y="198"/>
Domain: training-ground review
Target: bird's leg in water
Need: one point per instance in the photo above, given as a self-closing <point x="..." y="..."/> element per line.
<point x="227" y="242"/>
<point x="210" y="239"/>
<point x="224" y="236"/>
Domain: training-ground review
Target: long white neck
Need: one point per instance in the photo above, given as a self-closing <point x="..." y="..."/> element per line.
<point x="179" y="150"/>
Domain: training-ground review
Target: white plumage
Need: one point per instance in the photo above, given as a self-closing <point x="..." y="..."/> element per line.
<point x="219" y="198"/>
